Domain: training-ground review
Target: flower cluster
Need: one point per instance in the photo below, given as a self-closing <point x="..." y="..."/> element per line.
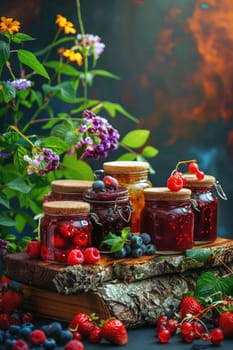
<point x="3" y="246"/>
<point x="91" y="43"/>
<point x="98" y="136"/>
<point x="42" y="162"/>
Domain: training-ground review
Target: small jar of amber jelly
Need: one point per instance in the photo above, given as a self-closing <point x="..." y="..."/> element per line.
<point x="111" y="211"/>
<point x="205" y="207"/>
<point x="64" y="226"/>
<point x="68" y="190"/>
<point x="134" y="176"/>
<point x="169" y="219"/>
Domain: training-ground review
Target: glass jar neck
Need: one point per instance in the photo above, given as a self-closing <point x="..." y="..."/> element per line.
<point x="168" y="204"/>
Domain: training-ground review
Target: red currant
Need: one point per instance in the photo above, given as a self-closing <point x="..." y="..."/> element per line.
<point x="216" y="336"/>
<point x="161" y="322"/>
<point x="172" y="325"/>
<point x="193" y="168"/>
<point x="200" y="175"/>
<point x="197" y="328"/>
<point x="175" y="182"/>
<point x="186" y="328"/>
<point x="163" y="335"/>
<point x="189" y="337"/>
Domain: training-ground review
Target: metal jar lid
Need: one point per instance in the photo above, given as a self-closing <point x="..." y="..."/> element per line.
<point x="164" y="194"/>
<point x="70" y="186"/>
<point x="116" y="167"/>
<point x="66" y="207"/>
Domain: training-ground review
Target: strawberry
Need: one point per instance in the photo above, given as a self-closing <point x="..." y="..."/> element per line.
<point x="114" y="331"/>
<point x="12" y="299"/>
<point x="226" y="323"/>
<point x="189" y="305"/>
<point x="82" y="323"/>
<point x="33" y="249"/>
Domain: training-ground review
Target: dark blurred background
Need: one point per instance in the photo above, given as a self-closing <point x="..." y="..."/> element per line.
<point x="175" y="60"/>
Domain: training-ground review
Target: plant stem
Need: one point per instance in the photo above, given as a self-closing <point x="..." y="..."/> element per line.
<point x="21" y="134"/>
<point x="79" y="15"/>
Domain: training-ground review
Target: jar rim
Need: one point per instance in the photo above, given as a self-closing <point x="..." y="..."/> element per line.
<point x="115" y="167"/>
<point x="66" y="207"/>
<point x="164" y="194"/>
<point x="104" y="196"/>
<point x="192" y="181"/>
<point x="70" y="186"/>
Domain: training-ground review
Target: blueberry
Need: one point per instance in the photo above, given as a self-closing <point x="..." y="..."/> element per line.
<point x="25" y="332"/>
<point x="9" y="344"/>
<point x="136" y="241"/>
<point x="146" y="237"/>
<point x="2" y="336"/>
<point x="143" y="247"/>
<point x="130" y="235"/>
<point x="120" y="253"/>
<point x="50" y="344"/>
<point x="128" y="249"/>
<point x="98" y="185"/>
<point x="150" y="249"/>
<point x="65" y="336"/>
<point x="14" y="329"/>
<point x="137" y="252"/>
<point x="52" y="330"/>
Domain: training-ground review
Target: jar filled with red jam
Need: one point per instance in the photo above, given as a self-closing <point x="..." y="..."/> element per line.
<point x="169" y="219"/>
<point x="111" y="211"/>
<point x="64" y="226"/>
<point x="68" y="190"/>
<point x="205" y="208"/>
<point x="134" y="176"/>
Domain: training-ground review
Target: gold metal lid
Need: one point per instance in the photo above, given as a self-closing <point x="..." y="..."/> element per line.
<point x="66" y="207"/>
<point x="70" y="186"/>
<point x="192" y="181"/>
<point x="116" y="167"/>
<point x="164" y="194"/>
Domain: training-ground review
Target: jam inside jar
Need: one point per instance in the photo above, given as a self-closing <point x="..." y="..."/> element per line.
<point x="110" y="212"/>
<point x="134" y="176"/>
<point x="205" y="209"/>
<point x="64" y="226"/>
<point x="169" y="219"/>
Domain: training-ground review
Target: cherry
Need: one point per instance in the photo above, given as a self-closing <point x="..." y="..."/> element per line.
<point x="110" y="182"/>
<point x="163" y="335"/>
<point x="172" y="325"/>
<point x="193" y="168"/>
<point x="200" y="175"/>
<point x="186" y="328"/>
<point x="175" y="182"/>
<point x="216" y="336"/>
<point x="197" y="328"/>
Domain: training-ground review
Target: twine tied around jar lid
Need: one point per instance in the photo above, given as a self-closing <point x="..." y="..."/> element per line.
<point x="126" y="167"/>
<point x="70" y="186"/>
<point x="66" y="207"/>
<point x="164" y="194"/>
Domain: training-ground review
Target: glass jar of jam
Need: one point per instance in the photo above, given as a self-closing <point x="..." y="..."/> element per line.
<point x="111" y="211"/>
<point x="68" y="190"/>
<point x="205" y="208"/>
<point x="134" y="176"/>
<point x="65" y="225"/>
<point x="169" y="219"/>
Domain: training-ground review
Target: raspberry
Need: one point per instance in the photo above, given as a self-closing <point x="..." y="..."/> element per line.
<point x="81" y="239"/>
<point x="75" y="257"/>
<point x="91" y="255"/>
<point x="20" y="344"/>
<point x="37" y="337"/>
<point x="74" y="345"/>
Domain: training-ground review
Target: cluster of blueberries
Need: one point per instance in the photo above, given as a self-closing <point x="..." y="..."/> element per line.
<point x="46" y="337"/>
<point x="136" y="246"/>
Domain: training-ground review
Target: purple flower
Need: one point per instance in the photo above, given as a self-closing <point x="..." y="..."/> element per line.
<point x="42" y="161"/>
<point x="21" y="84"/>
<point x="3" y="246"/>
<point x="92" y="43"/>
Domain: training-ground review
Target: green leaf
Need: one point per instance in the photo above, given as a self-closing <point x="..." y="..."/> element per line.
<point x="21" y="37"/>
<point x="30" y="60"/>
<point x="76" y="169"/>
<point x="82" y="107"/>
<point x="136" y="138"/>
<point x="4" y="53"/>
<point x="7" y="91"/>
<point x="19" y="162"/>
<point x="104" y="73"/>
<point x="4" y="200"/>
<point x="127" y="156"/>
<point x="113" y="108"/>
<point x="209" y="286"/>
<point x="54" y="143"/>
<point x="6" y="221"/>
<point x="150" y="152"/>
<point x="62" y="68"/>
<point x="201" y="254"/>
<point x="20" y="185"/>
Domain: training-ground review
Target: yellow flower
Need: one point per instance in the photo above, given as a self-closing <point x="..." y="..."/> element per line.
<point x="9" y="25"/>
<point x="73" y="56"/>
<point x="66" y="25"/>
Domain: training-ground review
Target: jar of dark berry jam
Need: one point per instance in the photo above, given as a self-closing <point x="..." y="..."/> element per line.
<point x="65" y="225"/>
<point x="68" y="190"/>
<point x="134" y="176"/>
<point x="111" y="211"/>
<point x="206" y="207"/>
<point x="169" y="219"/>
